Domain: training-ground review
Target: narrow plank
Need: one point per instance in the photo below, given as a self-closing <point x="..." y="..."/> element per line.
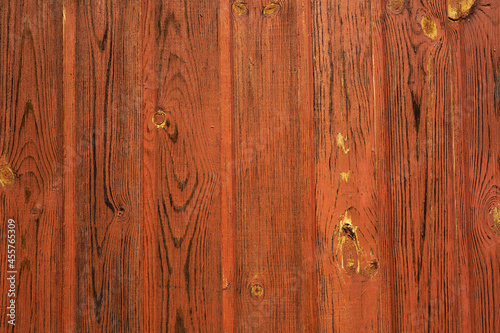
<point x="274" y="170"/>
<point x="419" y="218"/>
<point x="106" y="164"/>
<point x="69" y="277"/>
<point x="31" y="162"/>
<point x="182" y="166"/>
<point x="346" y="161"/>
<point x="386" y="271"/>
<point x="476" y="52"/>
<point x="229" y="323"/>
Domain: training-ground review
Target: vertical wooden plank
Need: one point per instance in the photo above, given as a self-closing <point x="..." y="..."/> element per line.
<point x="346" y="167"/>
<point x="419" y="217"/>
<point x="476" y="52"/>
<point x="386" y="272"/>
<point x="228" y="262"/>
<point x="274" y="170"/>
<point x="182" y="185"/>
<point x="106" y="164"/>
<point x="69" y="276"/>
<point x="31" y="164"/>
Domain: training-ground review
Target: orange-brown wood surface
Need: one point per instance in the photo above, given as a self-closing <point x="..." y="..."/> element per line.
<point x="250" y="166"/>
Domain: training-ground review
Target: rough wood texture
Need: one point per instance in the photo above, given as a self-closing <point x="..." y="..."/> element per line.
<point x="421" y="219"/>
<point x="31" y="161"/>
<point x="476" y="54"/>
<point x="281" y="166"/>
<point x="182" y="178"/>
<point x="273" y="167"/>
<point x="105" y="166"/>
<point x="346" y="188"/>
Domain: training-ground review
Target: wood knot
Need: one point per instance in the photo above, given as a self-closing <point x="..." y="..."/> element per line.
<point x="348" y="247"/>
<point x="395" y="6"/>
<point x="428" y="27"/>
<point x="459" y="9"/>
<point x="7" y="176"/>
<point x="256" y="290"/>
<point x="121" y="213"/>
<point x="159" y="119"/>
<point x="240" y="8"/>
<point x="495" y="215"/>
<point x="36" y="209"/>
<point x="371" y="269"/>
<point x="271" y="9"/>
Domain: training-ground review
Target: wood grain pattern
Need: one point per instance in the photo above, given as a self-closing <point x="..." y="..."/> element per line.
<point x="230" y="166"/>
<point x="273" y="167"/>
<point x="477" y="82"/>
<point x="105" y="167"/>
<point x="31" y="161"/>
<point x="182" y="178"/>
<point x="417" y="130"/>
<point x="346" y="188"/>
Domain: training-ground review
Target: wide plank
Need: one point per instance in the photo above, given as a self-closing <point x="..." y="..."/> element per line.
<point x="182" y="166"/>
<point x="103" y="213"/>
<point x="31" y="164"/>
<point x="273" y="167"/>
<point x="475" y="26"/>
<point x="419" y="246"/>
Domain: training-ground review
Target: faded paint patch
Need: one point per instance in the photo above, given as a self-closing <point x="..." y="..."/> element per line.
<point x="345" y="176"/>
<point x="495" y="214"/>
<point x="7" y="176"/>
<point x="341" y="143"/>
<point x="458" y="9"/>
<point x="429" y="27"/>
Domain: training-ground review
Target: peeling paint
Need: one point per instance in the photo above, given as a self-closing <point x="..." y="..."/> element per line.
<point x="225" y="284"/>
<point x="341" y="143"/>
<point x="345" y="176"/>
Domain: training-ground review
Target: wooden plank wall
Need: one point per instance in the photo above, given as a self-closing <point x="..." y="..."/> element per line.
<point x="267" y="165"/>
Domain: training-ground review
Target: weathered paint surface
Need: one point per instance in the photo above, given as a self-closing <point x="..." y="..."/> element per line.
<point x="225" y="166"/>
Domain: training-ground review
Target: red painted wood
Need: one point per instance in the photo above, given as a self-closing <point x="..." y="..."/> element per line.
<point x="476" y="54"/>
<point x="273" y="167"/>
<point x="31" y="164"/>
<point x="295" y="166"/>
<point x="182" y="167"/>
<point x="346" y="168"/>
